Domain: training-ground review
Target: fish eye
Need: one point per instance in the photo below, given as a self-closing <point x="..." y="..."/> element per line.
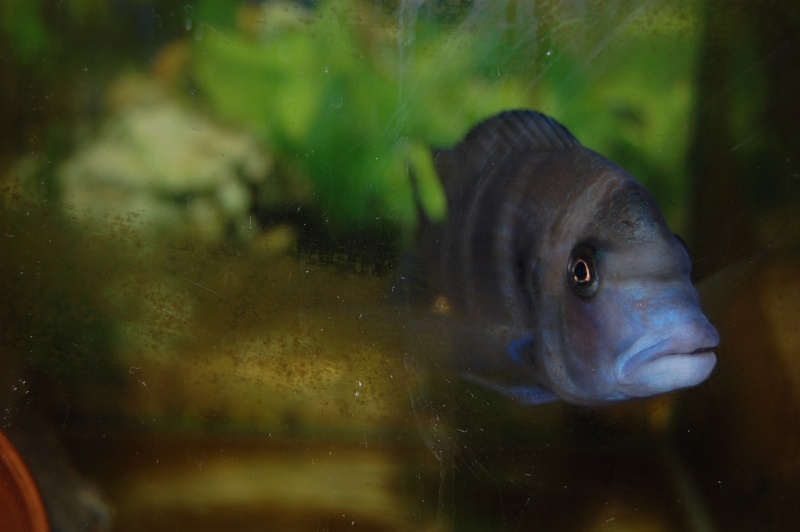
<point x="582" y="271"/>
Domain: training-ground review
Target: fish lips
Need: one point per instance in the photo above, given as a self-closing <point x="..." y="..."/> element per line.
<point x="682" y="358"/>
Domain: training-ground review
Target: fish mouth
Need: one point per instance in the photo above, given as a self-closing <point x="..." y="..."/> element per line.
<point x="678" y="360"/>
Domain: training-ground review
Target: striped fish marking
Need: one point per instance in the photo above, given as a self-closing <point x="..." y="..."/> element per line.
<point x="557" y="272"/>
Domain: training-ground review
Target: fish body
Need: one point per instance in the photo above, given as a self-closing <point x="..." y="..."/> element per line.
<point x="557" y="272"/>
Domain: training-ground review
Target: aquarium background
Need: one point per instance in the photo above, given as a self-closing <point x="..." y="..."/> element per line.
<point x="202" y="204"/>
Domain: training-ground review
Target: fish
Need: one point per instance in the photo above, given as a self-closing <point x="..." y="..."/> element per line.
<point x="554" y="275"/>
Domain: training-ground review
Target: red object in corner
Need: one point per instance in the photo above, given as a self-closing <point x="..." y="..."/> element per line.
<point x="21" y="507"/>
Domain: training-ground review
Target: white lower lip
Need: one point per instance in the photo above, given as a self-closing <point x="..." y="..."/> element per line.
<point x="680" y="358"/>
<point x="667" y="372"/>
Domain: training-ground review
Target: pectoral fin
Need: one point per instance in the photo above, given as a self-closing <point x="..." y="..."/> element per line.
<point x="529" y="395"/>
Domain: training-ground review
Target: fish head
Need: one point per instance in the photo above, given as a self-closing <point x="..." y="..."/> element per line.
<point x="562" y="277"/>
<point x="622" y="319"/>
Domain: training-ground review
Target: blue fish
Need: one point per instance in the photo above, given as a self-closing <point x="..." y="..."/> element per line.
<point x="556" y="272"/>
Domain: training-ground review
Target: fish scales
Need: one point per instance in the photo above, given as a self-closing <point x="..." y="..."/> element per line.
<point x="560" y="275"/>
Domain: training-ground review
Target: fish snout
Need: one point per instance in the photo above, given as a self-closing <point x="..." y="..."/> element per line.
<point x="682" y="358"/>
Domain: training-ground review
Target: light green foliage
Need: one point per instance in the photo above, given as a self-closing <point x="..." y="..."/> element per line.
<point x="344" y="103"/>
<point x="346" y="94"/>
<point x="625" y="87"/>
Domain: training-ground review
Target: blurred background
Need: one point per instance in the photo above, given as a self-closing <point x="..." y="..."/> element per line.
<point x="202" y="204"/>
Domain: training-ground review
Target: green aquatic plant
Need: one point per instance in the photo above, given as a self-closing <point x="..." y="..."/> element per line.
<point x="346" y="104"/>
<point x="350" y="96"/>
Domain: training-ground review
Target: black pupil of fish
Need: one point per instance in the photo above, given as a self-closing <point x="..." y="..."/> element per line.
<point x="581" y="273"/>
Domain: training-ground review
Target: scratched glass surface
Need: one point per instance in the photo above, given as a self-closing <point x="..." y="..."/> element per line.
<point x="204" y="205"/>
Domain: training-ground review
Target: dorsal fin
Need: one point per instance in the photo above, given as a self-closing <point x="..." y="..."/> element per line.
<point x="493" y="140"/>
<point x="509" y="131"/>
